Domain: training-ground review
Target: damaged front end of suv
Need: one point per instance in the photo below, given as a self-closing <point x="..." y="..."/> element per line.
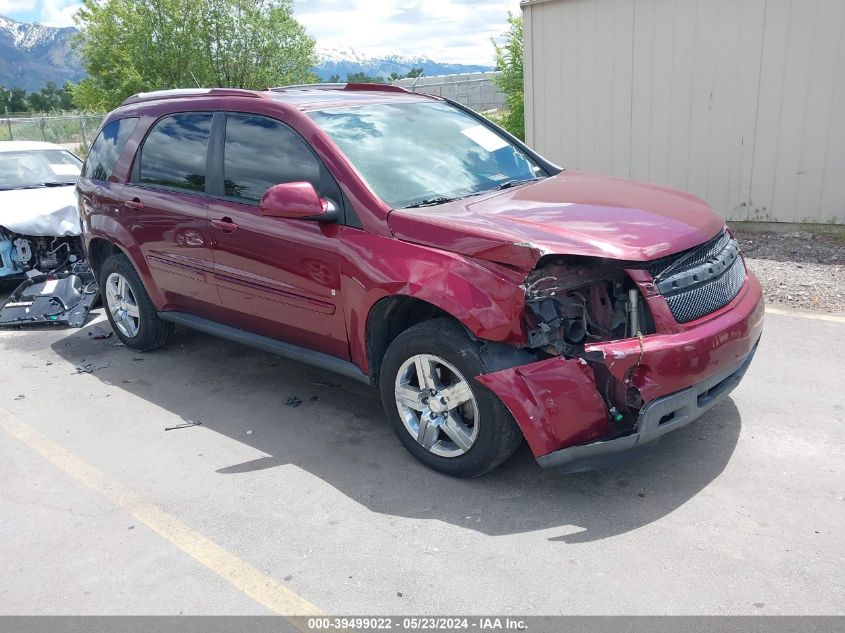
<point x="628" y="351"/>
<point x="633" y="315"/>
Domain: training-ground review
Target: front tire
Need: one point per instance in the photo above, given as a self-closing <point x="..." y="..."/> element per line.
<point x="445" y="419"/>
<point x="130" y="311"/>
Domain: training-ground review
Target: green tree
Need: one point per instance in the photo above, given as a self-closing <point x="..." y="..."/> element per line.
<point x="15" y="100"/>
<point x="130" y="46"/>
<point x="37" y="102"/>
<point x="363" y="78"/>
<point x="414" y="72"/>
<point x="46" y="100"/>
<point x="50" y="98"/>
<point x="511" y="79"/>
<point x="66" y="97"/>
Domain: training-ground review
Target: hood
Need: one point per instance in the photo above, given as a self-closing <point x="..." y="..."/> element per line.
<point x="572" y="213"/>
<point x="47" y="211"/>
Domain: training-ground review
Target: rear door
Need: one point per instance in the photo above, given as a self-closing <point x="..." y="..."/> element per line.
<point x="276" y="276"/>
<point x="167" y="211"/>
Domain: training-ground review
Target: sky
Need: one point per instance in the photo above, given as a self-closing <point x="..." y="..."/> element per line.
<point x="456" y="31"/>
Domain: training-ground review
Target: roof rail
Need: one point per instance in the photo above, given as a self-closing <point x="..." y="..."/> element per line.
<point x="322" y="86"/>
<point x="342" y="86"/>
<point x="177" y="93"/>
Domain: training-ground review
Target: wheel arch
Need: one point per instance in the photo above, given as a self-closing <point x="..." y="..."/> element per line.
<point x="107" y="238"/>
<point x="388" y="318"/>
<point x="99" y="250"/>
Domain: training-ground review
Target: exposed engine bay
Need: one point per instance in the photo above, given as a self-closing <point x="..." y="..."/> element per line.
<point x="572" y="304"/>
<point x="22" y="253"/>
<point x="58" y="285"/>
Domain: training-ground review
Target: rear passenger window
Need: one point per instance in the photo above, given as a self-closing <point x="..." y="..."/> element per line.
<point x="174" y="153"/>
<point x="260" y="152"/>
<point x="107" y="148"/>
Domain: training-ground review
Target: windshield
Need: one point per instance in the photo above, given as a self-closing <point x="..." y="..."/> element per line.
<point x="424" y="153"/>
<point x="38" y="168"/>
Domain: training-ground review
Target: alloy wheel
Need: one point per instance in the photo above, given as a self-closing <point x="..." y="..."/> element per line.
<point x="437" y="405"/>
<point x="123" y="305"/>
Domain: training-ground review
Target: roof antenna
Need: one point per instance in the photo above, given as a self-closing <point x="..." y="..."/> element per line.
<point x="194" y="78"/>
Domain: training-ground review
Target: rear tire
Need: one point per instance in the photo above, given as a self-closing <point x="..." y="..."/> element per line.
<point x="446" y="419"/>
<point x="130" y="311"/>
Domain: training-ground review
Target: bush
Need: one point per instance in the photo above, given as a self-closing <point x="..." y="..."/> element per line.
<point x="511" y="79"/>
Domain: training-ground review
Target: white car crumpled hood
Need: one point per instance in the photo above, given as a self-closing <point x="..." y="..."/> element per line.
<point x="47" y="211"/>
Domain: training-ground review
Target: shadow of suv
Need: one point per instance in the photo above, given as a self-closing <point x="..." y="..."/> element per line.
<point x="405" y="241"/>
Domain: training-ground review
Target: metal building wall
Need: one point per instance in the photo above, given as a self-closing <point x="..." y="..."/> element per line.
<point x="741" y="102"/>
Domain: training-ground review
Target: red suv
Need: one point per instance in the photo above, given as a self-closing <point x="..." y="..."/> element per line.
<point x="405" y="241"/>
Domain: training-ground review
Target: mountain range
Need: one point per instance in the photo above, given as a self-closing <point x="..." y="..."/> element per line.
<point x="33" y="54"/>
<point x="341" y="61"/>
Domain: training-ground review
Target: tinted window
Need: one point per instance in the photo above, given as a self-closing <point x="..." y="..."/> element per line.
<point x="261" y="152"/>
<point x="174" y="153"/>
<point x="106" y="149"/>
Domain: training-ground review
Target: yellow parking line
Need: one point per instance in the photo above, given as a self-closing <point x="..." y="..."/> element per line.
<point x="258" y="586"/>
<point x="806" y="315"/>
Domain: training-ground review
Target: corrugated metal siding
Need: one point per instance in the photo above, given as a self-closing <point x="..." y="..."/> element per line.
<point x="741" y="102"/>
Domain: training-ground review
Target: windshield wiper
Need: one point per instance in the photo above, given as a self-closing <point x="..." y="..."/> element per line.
<point x="48" y="184"/>
<point x="430" y="202"/>
<point x="513" y="183"/>
<point x="39" y="185"/>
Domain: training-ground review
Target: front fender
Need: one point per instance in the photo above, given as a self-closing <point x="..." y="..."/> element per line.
<point x="487" y="299"/>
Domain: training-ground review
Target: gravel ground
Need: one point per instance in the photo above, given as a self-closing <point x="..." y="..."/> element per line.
<point x="798" y="270"/>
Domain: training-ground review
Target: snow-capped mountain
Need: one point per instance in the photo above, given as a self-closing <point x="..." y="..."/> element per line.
<point x="33" y="54"/>
<point x="343" y="61"/>
<point x="25" y="36"/>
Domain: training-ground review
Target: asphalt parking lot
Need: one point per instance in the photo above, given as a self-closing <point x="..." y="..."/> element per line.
<point x="292" y="494"/>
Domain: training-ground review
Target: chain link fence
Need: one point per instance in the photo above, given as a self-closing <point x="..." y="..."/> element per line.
<point x="74" y="132"/>
<point x="477" y="91"/>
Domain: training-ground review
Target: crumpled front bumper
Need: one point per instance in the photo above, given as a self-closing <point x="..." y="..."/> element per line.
<point x="679" y="376"/>
<point x="658" y="417"/>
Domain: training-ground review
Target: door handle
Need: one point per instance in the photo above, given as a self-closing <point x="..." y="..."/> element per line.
<point x="225" y="224"/>
<point x="135" y="205"/>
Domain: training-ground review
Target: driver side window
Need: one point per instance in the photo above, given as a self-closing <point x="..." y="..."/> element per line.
<point x="260" y="152"/>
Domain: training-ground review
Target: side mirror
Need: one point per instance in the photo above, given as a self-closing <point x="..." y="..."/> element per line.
<point x="296" y="201"/>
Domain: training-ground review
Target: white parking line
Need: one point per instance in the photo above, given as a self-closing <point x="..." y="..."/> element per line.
<point x="238" y="573"/>
<point x="816" y="316"/>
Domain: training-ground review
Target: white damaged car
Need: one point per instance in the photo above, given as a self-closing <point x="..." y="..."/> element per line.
<point x="40" y="236"/>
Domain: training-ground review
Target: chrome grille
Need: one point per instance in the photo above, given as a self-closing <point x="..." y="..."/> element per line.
<point x="709" y="278"/>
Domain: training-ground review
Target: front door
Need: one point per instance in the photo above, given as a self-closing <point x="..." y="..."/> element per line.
<point x="276" y="277"/>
